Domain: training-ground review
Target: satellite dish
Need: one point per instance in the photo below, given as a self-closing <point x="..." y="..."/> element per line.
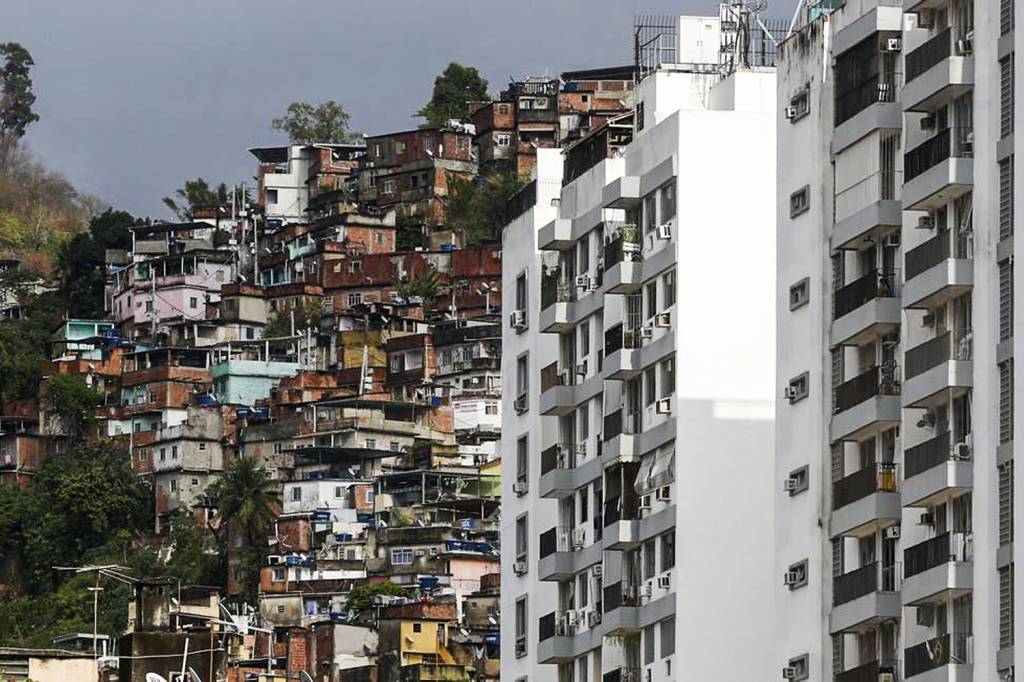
<point x="154" y="677"/>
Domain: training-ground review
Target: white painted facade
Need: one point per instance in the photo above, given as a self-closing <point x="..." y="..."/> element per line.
<point x="901" y="124"/>
<point x="650" y="328"/>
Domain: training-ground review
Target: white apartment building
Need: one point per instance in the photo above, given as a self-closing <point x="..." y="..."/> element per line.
<point x="894" y="471"/>
<point x="638" y="351"/>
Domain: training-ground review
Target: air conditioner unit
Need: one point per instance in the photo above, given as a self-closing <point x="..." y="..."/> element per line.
<point x="892" y="533"/>
<point x="790" y="393"/>
<point x="520" y="403"/>
<point x="964" y="47"/>
<point x="582" y="281"/>
<point x="892" y="240"/>
<point x="665" y="231"/>
<point x="646" y="332"/>
<point x="928" y="123"/>
<point x="518" y="319"/>
<point x="789" y="673"/>
<point x="664" y="581"/>
<point x="519" y="568"/>
<point x="572" y="618"/>
<point x="789" y="485"/>
<point x="663" y="320"/>
<point x="926" y="222"/>
<point x="645" y="501"/>
<point x="664" y="493"/>
<point x="664" y="406"/>
<point x="579" y="536"/>
<point x="519" y="487"/>
<point x="791" y="113"/>
<point x="893" y="45"/>
<point x="962" y="451"/>
<point x="581" y="449"/>
<point x="581" y="368"/>
<point x="593" y="619"/>
<point x="791" y="578"/>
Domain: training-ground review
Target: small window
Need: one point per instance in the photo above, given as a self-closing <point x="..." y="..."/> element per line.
<point x="798" y="481"/>
<point x="163" y="454"/>
<point x="389" y="186"/>
<point x="800" y="201"/>
<point x="800" y="293"/>
<point x="800" y="668"/>
<point x="798" y="388"/>
<point x="520" y="627"/>
<point x="271" y="196"/>
<point x="355" y="299"/>
<point x="503" y="139"/>
<point x="280" y="609"/>
<point x="796" y="575"/>
<point x="371" y="444"/>
<point x="799" y="106"/>
<point x="193" y="302"/>
<point x="668" y="288"/>
<point x="522" y="459"/>
<point x="522" y="538"/>
<point x="296" y="494"/>
<point x="503" y="109"/>
<point x="417" y="627"/>
<point x="174" y="485"/>
<point x="278" y="575"/>
<point x="174" y="452"/>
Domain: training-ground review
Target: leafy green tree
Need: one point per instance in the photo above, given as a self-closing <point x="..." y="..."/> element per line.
<point x="479" y="208"/>
<point x="16" y="96"/>
<point x="306" y="314"/>
<point x="453" y="90"/>
<point x="73" y="403"/>
<point x="361" y="597"/>
<point x="24" y="349"/>
<point x="426" y="285"/>
<point x="306" y="123"/>
<point x="81" y="262"/>
<point x="196" y="194"/>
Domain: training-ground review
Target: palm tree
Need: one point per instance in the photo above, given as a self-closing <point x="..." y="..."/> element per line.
<point x="247" y="498"/>
<point x="195" y="194"/>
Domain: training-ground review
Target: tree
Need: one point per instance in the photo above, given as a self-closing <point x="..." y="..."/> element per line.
<point x="23" y="347"/>
<point x="306" y="123"/>
<point x="361" y="597"/>
<point x="479" y="207"/>
<point x="73" y="403"/>
<point x="453" y="90"/>
<point x="426" y="285"/>
<point x="81" y="262"/>
<point x="247" y="498"/>
<point x="16" y="97"/>
<point x="306" y="315"/>
<point x="196" y="194"/>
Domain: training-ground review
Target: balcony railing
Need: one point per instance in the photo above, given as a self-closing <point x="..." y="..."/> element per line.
<point x="942" y="650"/>
<point x="874" y="478"/>
<point x="940" y="550"/>
<point x="618" y="337"/>
<point x="872" y="91"/>
<point x="625" y="508"/>
<point x="957" y="344"/>
<point x="551" y="376"/>
<point x="861" y="291"/>
<point x="555" y="290"/>
<point x="612" y="425"/>
<point x="927" y="455"/>
<point x="929" y="54"/>
<point x="558" y="456"/>
<point x="871" y="672"/>
<point x="952" y="142"/>
<point x="946" y="244"/>
<point x="624" y="245"/>
<point x="879" y="186"/>
<point x="621" y="594"/>
<point x="548" y="542"/>
<point x="876" y="381"/>
<point x="873" y="577"/>
<point x="622" y="675"/>
<point x="546" y="626"/>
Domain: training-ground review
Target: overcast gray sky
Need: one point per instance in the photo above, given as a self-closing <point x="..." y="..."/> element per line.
<point x="135" y="96"/>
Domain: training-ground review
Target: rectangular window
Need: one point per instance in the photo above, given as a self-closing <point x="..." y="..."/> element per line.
<point x="522" y="379"/>
<point x="278" y="575"/>
<point x="668" y="288"/>
<point x="649" y="559"/>
<point x="522" y="459"/>
<point x="584" y="336"/>
<point x="651" y="297"/>
<point x="648" y="636"/>
<point x="668" y="550"/>
<point x="371" y="444"/>
<point x="668" y="201"/>
<point x="193" y="302"/>
<point x="800" y="294"/>
<point x="503" y="139"/>
<point x="389" y="186"/>
<point x="522" y="294"/>
<point x="163" y="454"/>
<point x="668" y="637"/>
<point x="401" y="556"/>
<point x="174" y="452"/>
<point x="1006" y="18"/>
<point x="296" y="494"/>
<point x="522" y="538"/>
<point x="271" y="196"/>
<point x="668" y="377"/>
<point x="521" y="627"/>
<point x="798" y="388"/>
<point x="582" y="589"/>
<point x="1006" y="96"/>
<point x="800" y="201"/>
<point x="650" y="387"/>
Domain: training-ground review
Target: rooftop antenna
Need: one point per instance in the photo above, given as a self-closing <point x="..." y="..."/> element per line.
<point x="742" y="18"/>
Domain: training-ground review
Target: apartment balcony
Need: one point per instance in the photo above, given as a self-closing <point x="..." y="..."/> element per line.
<point x="563" y="553"/>
<point x="875" y="671"/>
<point x="556" y="236"/>
<point x="936" y="470"/>
<point x="865" y="596"/>
<point x="627" y="352"/>
<point x="625" y="441"/>
<point x="939" y="369"/>
<point x="562" y="390"/>
<point x="623" y="192"/>
<point x="938" y="270"/>
<point x="938" y="71"/>
<point x="563" y="473"/>
<point x="938" y="568"/>
<point x="621" y="602"/>
<point x="871" y="105"/>
<point x="865" y="501"/>
<point x="622" y="674"/>
<point x="627" y="533"/>
<point x="946" y="658"/>
<point x="866" y="308"/>
<point x="939" y="169"/>
<point x="866" y="402"/>
<point x="556" y="298"/>
<point x="868" y="210"/>
<point x="560" y="639"/>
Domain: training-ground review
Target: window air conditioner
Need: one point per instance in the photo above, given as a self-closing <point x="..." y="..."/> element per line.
<point x="893" y="45"/>
<point x="892" y="240"/>
<point x="645" y="501"/>
<point x="664" y="406"/>
<point x="789" y="673"/>
<point x="790" y="393"/>
<point x="597" y="570"/>
<point x="664" y="581"/>
<point x="926" y="222"/>
<point x="791" y="578"/>
<point x="646" y="332"/>
<point x="665" y="231"/>
<point x="581" y="368"/>
<point x="582" y="282"/>
<point x="664" y="493"/>
<point x="663" y="320"/>
<point x="518" y="319"/>
<point x="962" y="451"/>
<point x="519" y="487"/>
<point x="791" y="113"/>
<point x="519" y="568"/>
<point x="789" y="485"/>
<point x="892" y="533"/>
<point x="593" y="619"/>
<point x="520" y="403"/>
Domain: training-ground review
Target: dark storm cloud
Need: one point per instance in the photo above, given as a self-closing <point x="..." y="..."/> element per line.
<point x="137" y="95"/>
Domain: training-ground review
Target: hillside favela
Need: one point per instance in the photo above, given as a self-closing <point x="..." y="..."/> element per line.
<point x="686" y="353"/>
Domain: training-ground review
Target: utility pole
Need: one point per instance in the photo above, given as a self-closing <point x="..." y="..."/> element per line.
<point x="95" y="618"/>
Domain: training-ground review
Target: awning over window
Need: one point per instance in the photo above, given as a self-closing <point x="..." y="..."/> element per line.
<point x="657" y="468"/>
